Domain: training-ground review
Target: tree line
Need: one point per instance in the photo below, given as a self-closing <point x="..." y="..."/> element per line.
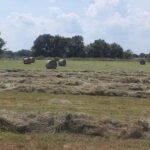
<point x="47" y="45"/>
<point x="56" y="46"/>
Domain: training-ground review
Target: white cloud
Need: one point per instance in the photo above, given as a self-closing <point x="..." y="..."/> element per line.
<point x="51" y="1"/>
<point x="116" y="20"/>
<point x="98" y="6"/>
<point x="122" y="21"/>
<point x="21" y="29"/>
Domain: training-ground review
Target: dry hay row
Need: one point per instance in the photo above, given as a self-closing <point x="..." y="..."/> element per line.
<point x="85" y="83"/>
<point x="74" y="123"/>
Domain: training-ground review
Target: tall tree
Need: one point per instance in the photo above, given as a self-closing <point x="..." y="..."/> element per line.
<point x="43" y="46"/>
<point x="2" y="44"/>
<point x="128" y="54"/>
<point x="76" y="47"/>
<point x="60" y="46"/>
<point x="99" y="49"/>
<point x="57" y="46"/>
<point x="116" y="51"/>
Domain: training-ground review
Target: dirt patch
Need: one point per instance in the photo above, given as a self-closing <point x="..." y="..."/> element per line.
<point x="135" y="84"/>
<point x="73" y="123"/>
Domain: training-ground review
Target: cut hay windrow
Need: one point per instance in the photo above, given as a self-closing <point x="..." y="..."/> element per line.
<point x="77" y="123"/>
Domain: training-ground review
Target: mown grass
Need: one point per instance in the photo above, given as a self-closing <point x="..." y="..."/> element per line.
<point x="102" y="107"/>
<point x="80" y="65"/>
<point x="105" y="107"/>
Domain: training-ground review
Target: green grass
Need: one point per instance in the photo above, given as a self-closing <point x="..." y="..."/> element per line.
<point x="79" y="65"/>
<point x="105" y="107"/>
<point x="64" y="141"/>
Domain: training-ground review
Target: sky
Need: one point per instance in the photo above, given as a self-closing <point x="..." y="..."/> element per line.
<point x="126" y="22"/>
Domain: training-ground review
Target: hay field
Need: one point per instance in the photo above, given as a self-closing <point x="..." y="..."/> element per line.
<point x="104" y="107"/>
<point x="117" y="90"/>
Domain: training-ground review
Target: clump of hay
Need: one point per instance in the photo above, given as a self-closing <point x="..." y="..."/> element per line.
<point x="27" y="61"/>
<point x="51" y="64"/>
<point x="132" y="133"/>
<point x="62" y="62"/>
<point x="136" y="130"/>
<point x="78" y="123"/>
<point x="130" y="80"/>
<point x="136" y="87"/>
<point x="142" y="62"/>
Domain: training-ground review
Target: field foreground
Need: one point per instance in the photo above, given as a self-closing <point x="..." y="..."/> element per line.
<point x="74" y="108"/>
<point x="105" y="123"/>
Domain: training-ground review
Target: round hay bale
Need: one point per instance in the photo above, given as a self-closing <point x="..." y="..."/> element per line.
<point x="142" y="62"/>
<point x="62" y="62"/>
<point x="51" y="64"/>
<point x="32" y="59"/>
<point x="27" y="61"/>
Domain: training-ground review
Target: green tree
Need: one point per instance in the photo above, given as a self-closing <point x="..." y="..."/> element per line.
<point x="76" y="47"/>
<point x="47" y="45"/>
<point x="2" y="44"/>
<point x="57" y="46"/>
<point x="43" y="46"/>
<point x="23" y="53"/>
<point x="99" y="49"/>
<point x="143" y="55"/>
<point x="128" y="54"/>
<point x="60" y="46"/>
<point x="116" y="51"/>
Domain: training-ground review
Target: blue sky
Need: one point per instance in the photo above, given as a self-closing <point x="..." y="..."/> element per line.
<point x="126" y="22"/>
